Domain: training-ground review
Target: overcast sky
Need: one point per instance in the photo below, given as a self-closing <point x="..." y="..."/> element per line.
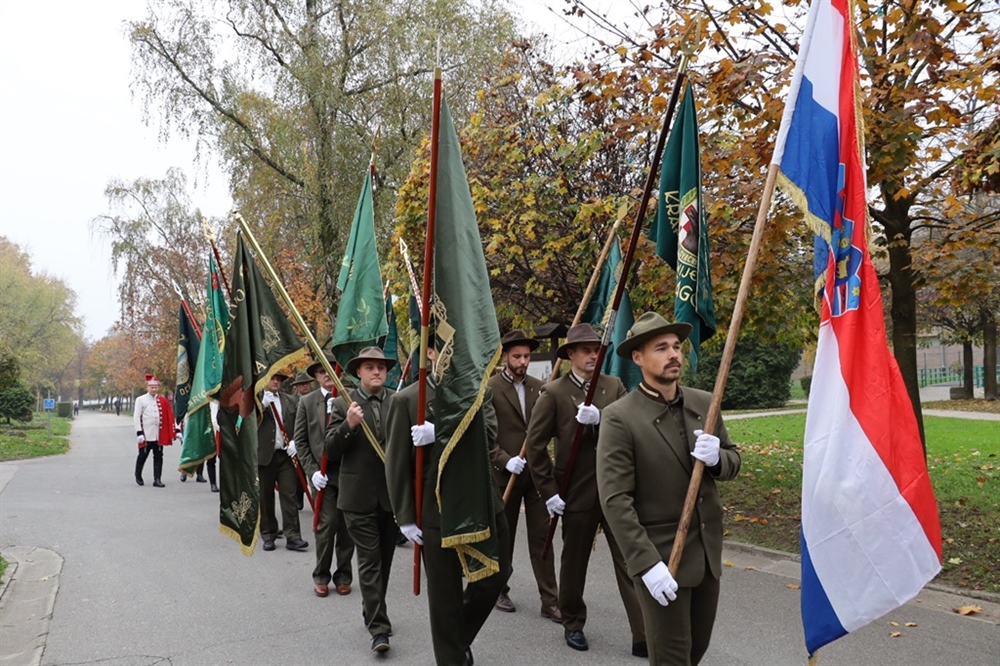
<point x="68" y="125"/>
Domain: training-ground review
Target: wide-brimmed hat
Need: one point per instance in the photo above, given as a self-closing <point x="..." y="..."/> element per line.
<point x="517" y="337"/>
<point x="577" y="335"/>
<point x="648" y="326"/>
<point x="280" y="376"/>
<point x="369" y="354"/>
<point x="302" y="378"/>
<point x="317" y="365"/>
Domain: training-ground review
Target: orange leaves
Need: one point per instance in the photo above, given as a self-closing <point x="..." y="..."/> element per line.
<point x="971" y="609"/>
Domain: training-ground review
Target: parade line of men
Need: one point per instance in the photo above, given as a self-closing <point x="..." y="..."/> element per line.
<point x="630" y="476"/>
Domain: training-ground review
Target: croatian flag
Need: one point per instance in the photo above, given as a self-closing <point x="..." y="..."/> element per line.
<point x="870" y="533"/>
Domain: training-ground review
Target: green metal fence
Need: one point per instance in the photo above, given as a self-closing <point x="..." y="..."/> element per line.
<point x="950" y="375"/>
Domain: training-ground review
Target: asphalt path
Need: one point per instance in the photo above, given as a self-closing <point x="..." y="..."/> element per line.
<point x="112" y="573"/>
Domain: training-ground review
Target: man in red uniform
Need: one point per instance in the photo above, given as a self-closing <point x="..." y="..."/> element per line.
<point x="154" y="428"/>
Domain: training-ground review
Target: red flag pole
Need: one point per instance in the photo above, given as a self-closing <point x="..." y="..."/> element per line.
<point x="295" y="459"/>
<point x="640" y="217"/>
<point x="425" y="315"/>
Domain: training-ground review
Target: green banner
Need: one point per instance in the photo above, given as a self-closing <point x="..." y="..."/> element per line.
<point x="361" y="311"/>
<point x="260" y="342"/>
<point x="469" y="348"/>
<point x="199" y="433"/>
<point x="188" y="343"/>
<point x="680" y="231"/>
<point x="599" y="311"/>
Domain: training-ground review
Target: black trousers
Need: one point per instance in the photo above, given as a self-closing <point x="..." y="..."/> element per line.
<point x="144" y="452"/>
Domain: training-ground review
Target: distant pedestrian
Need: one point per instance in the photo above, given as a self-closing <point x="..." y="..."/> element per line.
<point x="76" y="408"/>
<point x="154" y="428"/>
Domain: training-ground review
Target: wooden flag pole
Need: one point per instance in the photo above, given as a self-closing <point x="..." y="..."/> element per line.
<point x="425" y="315"/>
<point x="640" y="217"/>
<point x="605" y="251"/>
<point x="310" y="338"/>
<point x="210" y="235"/>
<point x="715" y="408"/>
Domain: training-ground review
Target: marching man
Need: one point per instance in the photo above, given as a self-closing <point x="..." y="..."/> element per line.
<point x="154" y="428"/>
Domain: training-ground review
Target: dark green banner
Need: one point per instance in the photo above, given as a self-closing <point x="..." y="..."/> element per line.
<point x="680" y="231"/>
<point x="188" y="342"/>
<point x="598" y="313"/>
<point x="260" y="342"/>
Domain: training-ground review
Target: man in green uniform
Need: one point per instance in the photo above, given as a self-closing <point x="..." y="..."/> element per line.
<point x="311" y="420"/>
<point x="456" y="615"/>
<point x="364" y="495"/>
<point x="514" y="396"/>
<point x="558" y="411"/>
<point x="645" y="455"/>
<point x="274" y="466"/>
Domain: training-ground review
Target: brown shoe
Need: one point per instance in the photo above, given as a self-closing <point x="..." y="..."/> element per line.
<point x="343" y="589"/>
<point x="321" y="589"/>
<point x="552" y="613"/>
<point x="504" y="603"/>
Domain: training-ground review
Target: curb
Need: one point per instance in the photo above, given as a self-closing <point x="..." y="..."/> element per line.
<point x="9" y="573"/>
<point x="770" y="553"/>
<point x="26" y="602"/>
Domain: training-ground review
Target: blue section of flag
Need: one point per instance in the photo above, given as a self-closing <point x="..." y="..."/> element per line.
<point x="819" y="621"/>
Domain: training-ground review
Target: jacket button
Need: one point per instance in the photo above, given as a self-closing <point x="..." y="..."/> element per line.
<point x="701" y="499"/>
<point x="657" y="420"/>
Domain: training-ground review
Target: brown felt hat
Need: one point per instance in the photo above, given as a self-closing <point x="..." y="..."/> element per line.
<point x="369" y="354"/>
<point x="576" y="335"/>
<point x="317" y="365"/>
<point x="648" y="326"/>
<point x="280" y="376"/>
<point x="302" y="378"/>
<point x="517" y="337"/>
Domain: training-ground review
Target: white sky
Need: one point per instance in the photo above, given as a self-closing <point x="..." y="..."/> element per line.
<point x="68" y="125"/>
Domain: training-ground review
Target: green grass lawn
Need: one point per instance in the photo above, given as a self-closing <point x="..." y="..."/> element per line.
<point x="31" y="440"/>
<point x="3" y="568"/>
<point x="763" y="504"/>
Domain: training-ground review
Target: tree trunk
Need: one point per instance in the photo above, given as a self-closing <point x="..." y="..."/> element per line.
<point x="989" y="322"/>
<point x="904" y="309"/>
<point x="968" y="376"/>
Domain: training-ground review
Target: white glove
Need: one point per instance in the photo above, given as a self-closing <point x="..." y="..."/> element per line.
<point x="413" y="533"/>
<point x="177" y="440"/>
<point x="588" y="415"/>
<point x="661" y="585"/>
<point x="516" y="465"/>
<point x="422" y="434"/>
<point x="555" y="505"/>
<point x="268" y="399"/>
<point x="706" y="448"/>
<point x="329" y="405"/>
<point x="319" y="480"/>
<point x="141" y="439"/>
<point x="290" y="449"/>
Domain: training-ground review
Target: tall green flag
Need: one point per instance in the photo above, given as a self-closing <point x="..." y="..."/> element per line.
<point x="598" y="313"/>
<point x="468" y="349"/>
<point x="199" y="434"/>
<point x="188" y="343"/>
<point x="680" y="231"/>
<point x="260" y="342"/>
<point x="361" y="312"/>
<point x="390" y="345"/>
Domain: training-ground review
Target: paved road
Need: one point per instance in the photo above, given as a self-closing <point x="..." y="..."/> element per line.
<point x="142" y="576"/>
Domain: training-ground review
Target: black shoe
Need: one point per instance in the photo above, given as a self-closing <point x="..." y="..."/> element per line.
<point x="183" y="478"/>
<point x="158" y="484"/>
<point x="138" y="480"/>
<point x="215" y="488"/>
<point x="268" y="544"/>
<point x="380" y="643"/>
<point x="299" y="503"/>
<point x="200" y="479"/>
<point x="504" y="604"/>
<point x="639" y="650"/>
<point x="469" y="661"/>
<point x="576" y="640"/>
<point x="297" y="544"/>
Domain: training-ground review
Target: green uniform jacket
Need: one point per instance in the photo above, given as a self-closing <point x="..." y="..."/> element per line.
<point x="643" y="470"/>
<point x="511" y="425"/>
<point x="400" y="457"/>
<point x="266" y="431"/>
<point x="310" y="436"/>
<point x="362" y="473"/>
<point x="554" y="415"/>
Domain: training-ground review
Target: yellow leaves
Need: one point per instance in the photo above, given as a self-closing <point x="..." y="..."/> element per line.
<point x="727" y="563"/>
<point x="957" y="6"/>
<point x="971" y="609"/>
<point x="895" y="634"/>
<point x="793" y="586"/>
<point x="955" y="560"/>
<point x="909" y="624"/>
<point x="894" y="623"/>
<point x="659" y="104"/>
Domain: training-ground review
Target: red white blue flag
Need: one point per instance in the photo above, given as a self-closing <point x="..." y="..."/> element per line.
<point x="870" y="533"/>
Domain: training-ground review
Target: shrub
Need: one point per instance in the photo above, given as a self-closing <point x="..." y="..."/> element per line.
<point x="64" y="410"/>
<point x="806" y="382"/>
<point x="759" y="378"/>
<point x="16" y="402"/>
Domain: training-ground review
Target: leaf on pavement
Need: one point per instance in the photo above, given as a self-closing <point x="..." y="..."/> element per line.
<point x="793" y="586"/>
<point x="910" y="624"/>
<point x="895" y="624"/>
<point x="728" y="563"/>
<point x="895" y="634"/>
<point x="971" y="609"/>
